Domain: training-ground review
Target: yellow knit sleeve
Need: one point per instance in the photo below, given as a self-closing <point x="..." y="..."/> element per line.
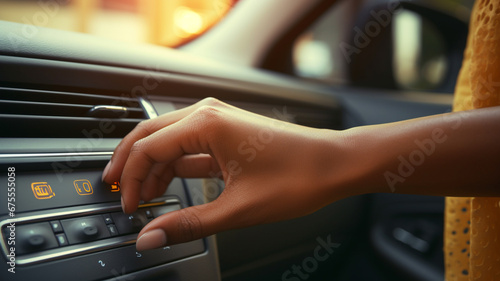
<point x="472" y="225"/>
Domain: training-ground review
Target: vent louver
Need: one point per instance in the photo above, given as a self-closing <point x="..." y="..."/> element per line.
<point x="27" y="113"/>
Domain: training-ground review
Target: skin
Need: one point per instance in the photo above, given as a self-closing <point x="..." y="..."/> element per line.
<point x="296" y="170"/>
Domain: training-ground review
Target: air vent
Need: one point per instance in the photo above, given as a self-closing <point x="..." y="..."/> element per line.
<point x="26" y="113"/>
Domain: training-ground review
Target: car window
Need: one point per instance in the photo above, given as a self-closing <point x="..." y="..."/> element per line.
<point x="316" y="54"/>
<point x="401" y="47"/>
<point x="166" y="22"/>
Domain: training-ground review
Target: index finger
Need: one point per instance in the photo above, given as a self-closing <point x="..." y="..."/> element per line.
<point x="189" y="136"/>
<point x="113" y="170"/>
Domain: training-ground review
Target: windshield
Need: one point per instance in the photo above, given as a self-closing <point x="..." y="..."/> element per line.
<point x="168" y="23"/>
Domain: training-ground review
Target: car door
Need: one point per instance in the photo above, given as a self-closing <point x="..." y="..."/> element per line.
<point x="382" y="62"/>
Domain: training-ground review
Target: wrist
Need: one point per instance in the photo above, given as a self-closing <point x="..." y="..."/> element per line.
<point x="356" y="165"/>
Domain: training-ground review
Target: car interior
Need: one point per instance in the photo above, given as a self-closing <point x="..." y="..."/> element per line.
<point x="67" y="99"/>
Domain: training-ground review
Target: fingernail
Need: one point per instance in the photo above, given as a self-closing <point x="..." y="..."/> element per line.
<point x="123" y="204"/>
<point x="151" y="240"/>
<point x="105" y="172"/>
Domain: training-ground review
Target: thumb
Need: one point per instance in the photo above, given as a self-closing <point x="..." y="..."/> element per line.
<point x="183" y="226"/>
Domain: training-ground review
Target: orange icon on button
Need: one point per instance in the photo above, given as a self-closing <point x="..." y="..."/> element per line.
<point x="83" y="187"/>
<point x="42" y="190"/>
<point x="115" y="187"/>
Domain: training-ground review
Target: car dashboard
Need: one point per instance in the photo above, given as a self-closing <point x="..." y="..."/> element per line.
<point x="66" y="101"/>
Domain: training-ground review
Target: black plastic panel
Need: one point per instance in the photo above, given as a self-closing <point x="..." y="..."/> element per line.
<point x="76" y="226"/>
<point x="42" y="190"/>
<point x="106" y="264"/>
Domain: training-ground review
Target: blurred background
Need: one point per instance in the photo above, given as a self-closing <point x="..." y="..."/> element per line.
<point x="412" y="49"/>
<point x="163" y="22"/>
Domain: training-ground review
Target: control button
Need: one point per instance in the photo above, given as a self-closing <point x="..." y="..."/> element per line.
<point x="56" y="226"/>
<point x="83" y="187"/>
<point x="90" y="231"/>
<point x="149" y="213"/>
<point x="112" y="230"/>
<point x="61" y="238"/>
<point x="115" y="187"/>
<point x="85" y="229"/>
<point x="127" y="224"/>
<point x="42" y="190"/>
<point x="34" y="237"/>
<point x="161" y="210"/>
<point x="36" y="240"/>
<point x="107" y="218"/>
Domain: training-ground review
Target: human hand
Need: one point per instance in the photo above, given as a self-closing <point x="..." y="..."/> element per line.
<point x="272" y="170"/>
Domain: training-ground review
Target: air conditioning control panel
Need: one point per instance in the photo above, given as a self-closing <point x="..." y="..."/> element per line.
<point x="73" y="224"/>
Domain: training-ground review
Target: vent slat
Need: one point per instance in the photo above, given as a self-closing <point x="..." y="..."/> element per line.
<point x="56" y="109"/>
<point x="31" y="113"/>
<point x="63" y="97"/>
<point x="43" y="108"/>
<point x="64" y="127"/>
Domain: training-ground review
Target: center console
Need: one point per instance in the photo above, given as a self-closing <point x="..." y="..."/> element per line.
<point x="68" y="224"/>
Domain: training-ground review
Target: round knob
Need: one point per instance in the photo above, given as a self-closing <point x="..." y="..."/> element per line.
<point x="36" y="240"/>
<point x="90" y="231"/>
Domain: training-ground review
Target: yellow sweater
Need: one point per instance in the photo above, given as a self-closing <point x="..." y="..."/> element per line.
<point x="472" y="225"/>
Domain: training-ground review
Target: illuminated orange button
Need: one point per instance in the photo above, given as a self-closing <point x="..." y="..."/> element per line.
<point x="42" y="190"/>
<point x="115" y="187"/>
<point x="83" y="187"/>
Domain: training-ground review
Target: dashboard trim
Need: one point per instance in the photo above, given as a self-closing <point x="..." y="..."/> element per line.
<point x="80" y="154"/>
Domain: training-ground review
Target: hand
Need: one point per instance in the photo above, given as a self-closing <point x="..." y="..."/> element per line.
<point x="272" y="170"/>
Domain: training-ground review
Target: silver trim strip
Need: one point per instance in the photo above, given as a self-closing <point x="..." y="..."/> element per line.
<point x="26" y="155"/>
<point x="78" y="249"/>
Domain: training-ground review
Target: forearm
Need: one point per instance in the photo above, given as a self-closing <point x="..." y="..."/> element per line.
<point x="455" y="154"/>
<point x="292" y="170"/>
